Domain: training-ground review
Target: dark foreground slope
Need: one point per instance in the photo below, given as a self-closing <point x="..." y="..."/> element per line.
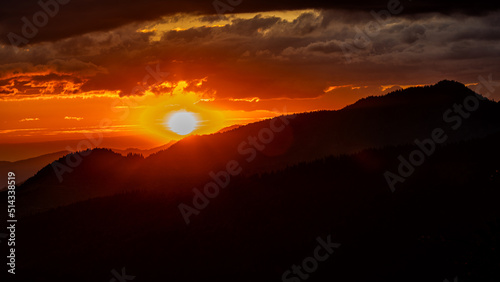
<point x="442" y="222"/>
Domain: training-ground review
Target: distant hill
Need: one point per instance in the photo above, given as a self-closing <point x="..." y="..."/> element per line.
<point x="101" y="172"/>
<point x="229" y="128"/>
<point x="395" y="119"/>
<point x="25" y="169"/>
<point x="144" y="152"/>
<point x="19" y="151"/>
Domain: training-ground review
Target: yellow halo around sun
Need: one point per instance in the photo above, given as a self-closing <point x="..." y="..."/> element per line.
<point x="182" y="122"/>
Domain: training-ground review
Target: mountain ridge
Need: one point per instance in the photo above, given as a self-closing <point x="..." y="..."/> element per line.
<point x="304" y="137"/>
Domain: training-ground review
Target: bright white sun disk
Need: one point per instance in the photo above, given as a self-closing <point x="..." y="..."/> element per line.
<point x="182" y="122"/>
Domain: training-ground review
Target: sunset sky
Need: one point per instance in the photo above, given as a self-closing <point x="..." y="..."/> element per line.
<point x="120" y="68"/>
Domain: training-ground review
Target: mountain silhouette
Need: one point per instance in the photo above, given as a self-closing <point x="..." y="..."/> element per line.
<point x="25" y="169"/>
<point x="144" y="152"/>
<point x="397" y="118"/>
<point x="443" y="221"/>
<point x="321" y="177"/>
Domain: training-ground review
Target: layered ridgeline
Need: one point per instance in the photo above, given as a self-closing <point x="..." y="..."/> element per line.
<point x="25" y="169"/>
<point x="333" y="219"/>
<point x="395" y="119"/>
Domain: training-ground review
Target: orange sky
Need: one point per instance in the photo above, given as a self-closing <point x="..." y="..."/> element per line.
<point x="235" y="69"/>
<point x="58" y="117"/>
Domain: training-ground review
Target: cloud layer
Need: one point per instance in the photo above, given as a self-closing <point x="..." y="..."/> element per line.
<point x="68" y="18"/>
<point x="267" y="55"/>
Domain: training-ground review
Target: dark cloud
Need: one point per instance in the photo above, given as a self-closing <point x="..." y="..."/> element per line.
<point x="264" y="56"/>
<point x="324" y="47"/>
<point x="413" y="33"/>
<point x="77" y="17"/>
<point x="475" y="33"/>
<point x="37" y="85"/>
<point x="213" y="18"/>
<point x="54" y="66"/>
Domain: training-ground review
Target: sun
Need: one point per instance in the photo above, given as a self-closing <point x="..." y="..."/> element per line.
<point x="182" y="122"/>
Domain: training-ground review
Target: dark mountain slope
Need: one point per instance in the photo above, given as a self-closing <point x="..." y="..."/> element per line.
<point x="443" y="222"/>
